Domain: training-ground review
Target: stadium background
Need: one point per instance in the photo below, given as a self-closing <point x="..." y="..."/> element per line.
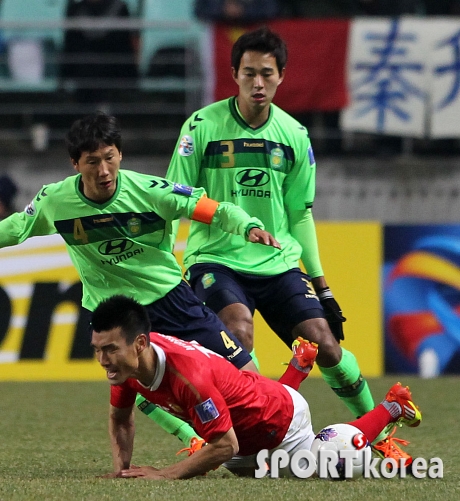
<point x="369" y="188"/>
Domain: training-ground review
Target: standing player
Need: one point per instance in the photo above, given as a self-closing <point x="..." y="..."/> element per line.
<point x="248" y="151"/>
<point x="237" y="412"/>
<point x="117" y="227"/>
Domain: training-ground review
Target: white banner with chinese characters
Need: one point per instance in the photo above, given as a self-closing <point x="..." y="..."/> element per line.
<point x="387" y="70"/>
<point x="445" y="78"/>
<point x="395" y="76"/>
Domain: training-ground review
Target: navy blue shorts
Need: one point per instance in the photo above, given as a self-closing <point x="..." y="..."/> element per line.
<point x="181" y="314"/>
<point x="283" y="300"/>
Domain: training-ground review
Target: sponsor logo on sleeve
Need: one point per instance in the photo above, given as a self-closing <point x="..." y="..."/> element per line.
<point x="30" y="209"/>
<point x="186" y="146"/>
<point x="311" y="157"/>
<point x="182" y="189"/>
<point x="207" y="411"/>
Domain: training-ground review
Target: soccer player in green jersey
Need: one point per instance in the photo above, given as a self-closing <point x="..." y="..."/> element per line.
<point x="117" y="227"/>
<point x="248" y="151"/>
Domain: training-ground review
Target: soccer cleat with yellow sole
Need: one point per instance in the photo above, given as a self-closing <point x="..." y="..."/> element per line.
<point x="410" y="413"/>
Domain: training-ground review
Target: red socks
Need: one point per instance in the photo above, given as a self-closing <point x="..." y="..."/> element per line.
<point x="293" y="377"/>
<point x="373" y="422"/>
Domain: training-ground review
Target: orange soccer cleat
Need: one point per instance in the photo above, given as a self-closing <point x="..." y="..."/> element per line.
<point x="410" y="413"/>
<point x="304" y="353"/>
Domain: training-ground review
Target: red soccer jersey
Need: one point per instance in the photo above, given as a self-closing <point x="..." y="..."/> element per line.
<point x="206" y="390"/>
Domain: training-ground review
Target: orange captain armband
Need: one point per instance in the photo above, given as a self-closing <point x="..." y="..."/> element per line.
<point x="204" y="210"/>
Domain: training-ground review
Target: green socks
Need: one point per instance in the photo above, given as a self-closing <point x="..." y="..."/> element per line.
<point x="171" y="424"/>
<point x="255" y="359"/>
<point x="346" y="381"/>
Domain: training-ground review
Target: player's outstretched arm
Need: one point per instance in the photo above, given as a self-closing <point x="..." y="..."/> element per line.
<point x="232" y="219"/>
<point x="194" y="204"/>
<point x="20" y="226"/>
<point x="215" y="453"/>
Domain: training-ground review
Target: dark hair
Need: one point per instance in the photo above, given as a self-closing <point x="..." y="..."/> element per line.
<point x="8" y="191"/>
<point x="124" y="312"/>
<point x="264" y="41"/>
<point x="90" y="132"/>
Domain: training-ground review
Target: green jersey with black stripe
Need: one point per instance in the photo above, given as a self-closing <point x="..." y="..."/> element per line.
<point x="122" y="246"/>
<point x="269" y="172"/>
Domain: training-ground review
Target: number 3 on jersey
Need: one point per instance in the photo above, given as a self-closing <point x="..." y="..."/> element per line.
<point x="228" y="154"/>
<point x="228" y="342"/>
<point x="79" y="232"/>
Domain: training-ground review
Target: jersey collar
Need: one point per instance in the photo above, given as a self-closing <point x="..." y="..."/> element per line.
<point x="160" y="368"/>
<point x="235" y="111"/>
<point x="91" y="202"/>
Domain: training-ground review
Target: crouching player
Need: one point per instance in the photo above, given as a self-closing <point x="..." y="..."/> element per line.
<point x="238" y="413"/>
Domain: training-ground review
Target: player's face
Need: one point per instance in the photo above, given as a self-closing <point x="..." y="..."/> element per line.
<point x="99" y="172"/>
<point x="120" y="360"/>
<point x="258" y="79"/>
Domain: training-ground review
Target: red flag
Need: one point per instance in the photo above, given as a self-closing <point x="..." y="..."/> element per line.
<point x="316" y="69"/>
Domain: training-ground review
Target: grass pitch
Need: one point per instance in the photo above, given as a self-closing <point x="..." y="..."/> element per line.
<point x="54" y="444"/>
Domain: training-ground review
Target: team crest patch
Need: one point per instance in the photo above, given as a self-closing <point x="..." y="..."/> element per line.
<point x="276" y="158"/>
<point x="134" y="226"/>
<point x="207" y="411"/>
<point x="311" y="157"/>
<point x="30" y="209"/>
<point x="207" y="280"/>
<point x="186" y="146"/>
<point x="182" y="189"/>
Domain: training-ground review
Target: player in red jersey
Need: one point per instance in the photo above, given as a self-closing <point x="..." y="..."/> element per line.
<point x="238" y="413"/>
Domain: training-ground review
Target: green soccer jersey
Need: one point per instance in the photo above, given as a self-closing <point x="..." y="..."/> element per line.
<point x="122" y="246"/>
<point x="268" y="171"/>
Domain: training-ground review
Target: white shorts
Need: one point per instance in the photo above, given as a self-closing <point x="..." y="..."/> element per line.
<point x="298" y="437"/>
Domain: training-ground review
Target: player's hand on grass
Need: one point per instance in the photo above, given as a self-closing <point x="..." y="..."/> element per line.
<point x="258" y="236"/>
<point x="143" y="472"/>
<point x="113" y="474"/>
<point x="118" y="474"/>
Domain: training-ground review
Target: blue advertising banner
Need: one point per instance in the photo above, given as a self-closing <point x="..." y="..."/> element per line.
<point x="421" y="294"/>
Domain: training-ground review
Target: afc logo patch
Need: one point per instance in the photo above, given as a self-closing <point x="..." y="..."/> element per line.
<point x="207" y="411"/>
<point x="182" y="189"/>
<point x="29" y="209"/>
<point x="186" y="146"/>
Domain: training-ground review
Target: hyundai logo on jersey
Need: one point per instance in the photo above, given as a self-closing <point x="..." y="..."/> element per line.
<point x="252" y="177"/>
